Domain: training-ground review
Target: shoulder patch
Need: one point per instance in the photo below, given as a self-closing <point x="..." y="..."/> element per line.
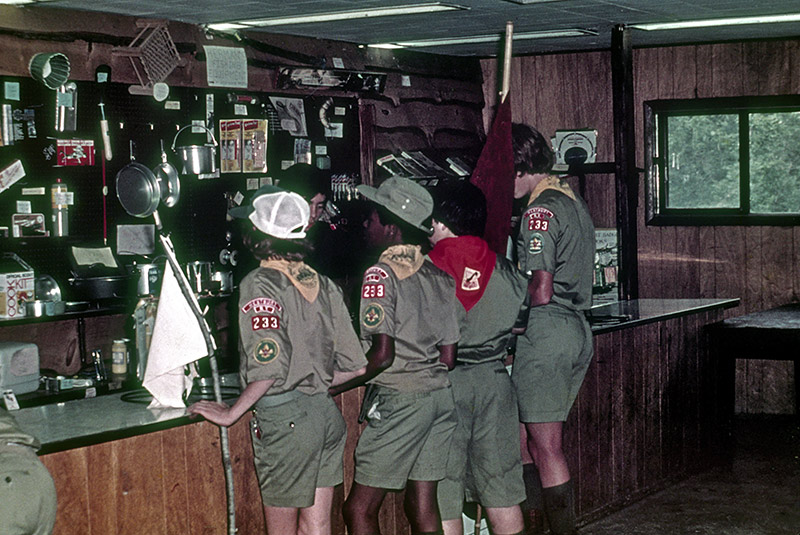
<point x="536" y="244"/>
<point x="373" y="316"/>
<point x="539" y="212"/>
<point x="266" y="351"/>
<point x="375" y="274"/>
<point x="262" y="305"/>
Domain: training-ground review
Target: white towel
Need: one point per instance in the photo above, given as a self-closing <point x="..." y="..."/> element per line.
<point x="177" y="341"/>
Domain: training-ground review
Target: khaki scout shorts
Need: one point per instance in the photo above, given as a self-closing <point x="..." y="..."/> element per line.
<point x="27" y="492"/>
<point x="484" y="463"/>
<point x="550" y="363"/>
<point x="300" y="450"/>
<point x="407" y="437"/>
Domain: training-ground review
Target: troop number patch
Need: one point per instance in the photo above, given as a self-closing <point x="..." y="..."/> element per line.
<point x="265" y="322"/>
<point x="266" y="351"/>
<point x="371" y="291"/>
<point x="373" y="315"/>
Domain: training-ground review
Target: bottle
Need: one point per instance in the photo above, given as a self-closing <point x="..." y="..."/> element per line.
<point x="59" y="198"/>
<point x="119" y="357"/>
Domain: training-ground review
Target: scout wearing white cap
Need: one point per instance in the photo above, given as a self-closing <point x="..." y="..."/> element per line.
<point x="276" y="212"/>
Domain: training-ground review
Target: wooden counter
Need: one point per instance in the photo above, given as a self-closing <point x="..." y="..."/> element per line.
<point x="649" y="412"/>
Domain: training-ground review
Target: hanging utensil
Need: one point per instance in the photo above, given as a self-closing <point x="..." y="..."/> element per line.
<point x="138" y="189"/>
<point x="196" y="159"/>
<point x="169" y="181"/>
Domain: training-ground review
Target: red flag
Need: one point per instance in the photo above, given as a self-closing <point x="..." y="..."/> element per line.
<point x="494" y="175"/>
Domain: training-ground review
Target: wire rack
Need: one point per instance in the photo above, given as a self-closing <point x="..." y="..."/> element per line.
<point x="152" y="53"/>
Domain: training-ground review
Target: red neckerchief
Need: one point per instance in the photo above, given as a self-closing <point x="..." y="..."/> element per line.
<point x="469" y="261"/>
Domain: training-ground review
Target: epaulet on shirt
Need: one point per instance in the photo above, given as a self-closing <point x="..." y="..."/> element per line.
<point x="404" y="260"/>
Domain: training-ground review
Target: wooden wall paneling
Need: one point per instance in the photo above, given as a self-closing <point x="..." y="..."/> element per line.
<point x="647" y="345"/>
<point x="753" y="295"/>
<point x="549" y="84"/>
<point x="205" y="479"/>
<point x="585" y="472"/>
<point x="139" y="488"/>
<point x="366" y="124"/>
<point x="491" y="87"/>
<point x="175" y="482"/>
<point x="70" y="473"/>
<point x="605" y="417"/>
<point x="691" y="399"/>
<point x="623" y="434"/>
<point x="729" y="268"/>
<point x="649" y="237"/>
<point x="706" y="262"/>
<point x="638" y="364"/>
<point x="766" y="64"/>
<point x="527" y="108"/>
<point x="672" y="392"/>
<point x="726" y="69"/>
<point x="704" y="81"/>
<point x="102" y="488"/>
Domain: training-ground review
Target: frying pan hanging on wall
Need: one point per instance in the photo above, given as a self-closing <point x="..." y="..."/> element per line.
<point x="139" y="190"/>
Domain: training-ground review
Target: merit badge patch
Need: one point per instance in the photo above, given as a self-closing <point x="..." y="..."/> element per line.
<point x="471" y="280"/>
<point x="266" y="351"/>
<point x="536" y="244"/>
<point x="373" y="315"/>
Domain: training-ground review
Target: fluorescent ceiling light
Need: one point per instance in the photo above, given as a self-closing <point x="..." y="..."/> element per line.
<point x="570" y="32"/>
<point x="349" y="14"/>
<point x="15" y="2"/>
<point x="761" y="19"/>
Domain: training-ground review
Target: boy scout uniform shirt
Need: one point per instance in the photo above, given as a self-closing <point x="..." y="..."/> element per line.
<point x="408" y="298"/>
<point x="10" y="433"/>
<point x="557" y="235"/>
<point x="486" y="331"/>
<point x="294" y="328"/>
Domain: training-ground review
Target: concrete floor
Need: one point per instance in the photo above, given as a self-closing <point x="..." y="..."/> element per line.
<point x="757" y="494"/>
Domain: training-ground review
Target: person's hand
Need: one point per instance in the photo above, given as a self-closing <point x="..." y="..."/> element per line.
<point x="218" y="413"/>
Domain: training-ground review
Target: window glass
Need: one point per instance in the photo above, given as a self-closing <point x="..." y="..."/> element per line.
<point x="775" y="163"/>
<point x="702" y="166"/>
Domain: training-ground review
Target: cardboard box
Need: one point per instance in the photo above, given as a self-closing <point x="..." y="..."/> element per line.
<point x="16" y="287"/>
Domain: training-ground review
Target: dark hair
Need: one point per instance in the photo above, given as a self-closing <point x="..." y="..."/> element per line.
<point x="461" y="205"/>
<point x="532" y="153"/>
<point x="411" y="234"/>
<point x="264" y="246"/>
<point x="305" y="180"/>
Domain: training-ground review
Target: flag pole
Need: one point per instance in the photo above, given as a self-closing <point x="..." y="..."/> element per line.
<point x="507" y="61"/>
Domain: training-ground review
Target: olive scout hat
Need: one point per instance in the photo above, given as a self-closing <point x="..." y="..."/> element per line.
<point x="276" y="212"/>
<point x="404" y="198"/>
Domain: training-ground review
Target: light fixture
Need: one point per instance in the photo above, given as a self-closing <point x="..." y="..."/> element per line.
<point x="330" y="16"/>
<point x="545" y="34"/>
<point x="759" y="19"/>
<point x="16" y="2"/>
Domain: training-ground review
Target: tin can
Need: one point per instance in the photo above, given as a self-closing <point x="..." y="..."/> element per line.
<point x="119" y="357"/>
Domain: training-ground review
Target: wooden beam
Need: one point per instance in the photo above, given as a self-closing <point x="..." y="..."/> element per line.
<point x="626" y="174"/>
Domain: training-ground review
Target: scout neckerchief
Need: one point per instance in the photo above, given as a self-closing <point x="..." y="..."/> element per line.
<point x="469" y="261"/>
<point x="302" y="276"/>
<point x="551" y="182"/>
<point x="405" y="260"/>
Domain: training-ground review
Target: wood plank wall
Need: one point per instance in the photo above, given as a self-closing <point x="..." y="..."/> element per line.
<point x="652" y="409"/>
<point x="757" y="264"/>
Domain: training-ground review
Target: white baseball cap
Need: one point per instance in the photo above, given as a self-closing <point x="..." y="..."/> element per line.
<point x="282" y="214"/>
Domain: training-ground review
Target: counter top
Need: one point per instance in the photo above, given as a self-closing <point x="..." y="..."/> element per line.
<point x="84" y="422"/>
<point x="626" y="314"/>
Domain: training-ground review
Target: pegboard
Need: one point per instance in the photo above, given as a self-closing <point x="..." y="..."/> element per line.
<point x="197" y="224"/>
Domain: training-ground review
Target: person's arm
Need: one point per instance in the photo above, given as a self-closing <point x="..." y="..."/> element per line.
<point x="540" y="288"/>
<point x="447" y="355"/>
<point x="379" y="358"/>
<point x="225" y="415"/>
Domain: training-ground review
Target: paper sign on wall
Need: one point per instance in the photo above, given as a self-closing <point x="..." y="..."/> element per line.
<point x="226" y="66"/>
<point x="74" y="152"/>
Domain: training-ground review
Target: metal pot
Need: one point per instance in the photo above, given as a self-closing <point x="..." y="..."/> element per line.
<point x="196" y="159"/>
<point x="100" y="288"/>
<point x="138" y="189"/>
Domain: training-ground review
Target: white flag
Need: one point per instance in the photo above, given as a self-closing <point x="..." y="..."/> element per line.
<point x="177" y="341"/>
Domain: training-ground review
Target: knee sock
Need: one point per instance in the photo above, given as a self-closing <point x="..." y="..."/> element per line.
<point x="559" y="507"/>
<point x="532" y="507"/>
<point x="533" y="487"/>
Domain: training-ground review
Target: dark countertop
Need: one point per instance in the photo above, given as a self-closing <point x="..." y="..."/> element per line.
<point x="625" y="314"/>
<point x="83" y="422"/>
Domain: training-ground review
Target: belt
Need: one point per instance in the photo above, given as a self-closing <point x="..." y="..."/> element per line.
<point x="278" y="399"/>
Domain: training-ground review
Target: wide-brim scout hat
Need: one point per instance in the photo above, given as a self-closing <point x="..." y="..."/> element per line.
<point x="276" y="212"/>
<point x="404" y="198"/>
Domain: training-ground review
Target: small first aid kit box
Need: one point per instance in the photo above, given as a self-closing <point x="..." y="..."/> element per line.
<point x="17" y="285"/>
